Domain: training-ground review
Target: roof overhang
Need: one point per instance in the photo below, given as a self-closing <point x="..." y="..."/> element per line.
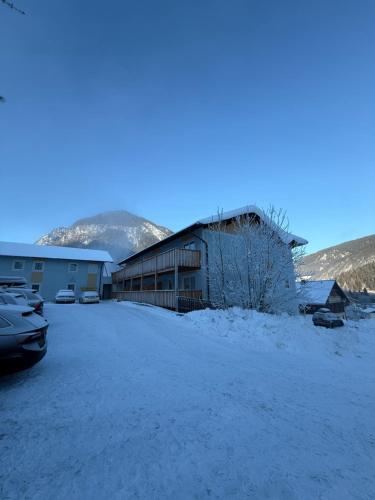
<point x="28" y="250"/>
<point x="291" y="239"/>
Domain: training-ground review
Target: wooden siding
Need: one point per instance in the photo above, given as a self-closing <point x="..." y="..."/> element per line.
<point x="91" y="280"/>
<point x="163" y="262"/>
<point x="37" y="277"/>
<point x="161" y="298"/>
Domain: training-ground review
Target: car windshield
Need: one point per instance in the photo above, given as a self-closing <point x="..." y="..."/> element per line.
<point x="89" y="294"/>
<point x="65" y="292"/>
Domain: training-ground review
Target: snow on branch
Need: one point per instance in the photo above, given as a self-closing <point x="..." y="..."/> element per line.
<point x="12" y="6"/>
<point x="252" y="264"/>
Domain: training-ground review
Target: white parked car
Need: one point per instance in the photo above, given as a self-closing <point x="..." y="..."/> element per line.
<point x="89" y="298"/>
<point x="65" y="297"/>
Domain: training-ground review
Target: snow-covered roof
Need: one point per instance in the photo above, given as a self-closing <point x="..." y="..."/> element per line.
<point x="50" y="252"/>
<point x="315" y="292"/>
<point x="253" y="209"/>
<point x="249" y="209"/>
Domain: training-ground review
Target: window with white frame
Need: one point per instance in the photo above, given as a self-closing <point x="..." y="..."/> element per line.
<point x="35" y="286"/>
<point x="71" y="286"/>
<point x="38" y="266"/>
<point x="18" y="265"/>
<point x="73" y="267"/>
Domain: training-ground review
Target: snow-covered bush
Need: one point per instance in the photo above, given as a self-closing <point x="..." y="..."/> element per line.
<point x="252" y="265"/>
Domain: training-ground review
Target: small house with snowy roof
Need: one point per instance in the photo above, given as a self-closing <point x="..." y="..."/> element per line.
<point x="314" y="295"/>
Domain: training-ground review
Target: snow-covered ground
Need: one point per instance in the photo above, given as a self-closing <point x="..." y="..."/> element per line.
<point x="137" y="402"/>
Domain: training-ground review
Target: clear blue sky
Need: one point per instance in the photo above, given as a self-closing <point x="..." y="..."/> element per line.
<point x="171" y="109"/>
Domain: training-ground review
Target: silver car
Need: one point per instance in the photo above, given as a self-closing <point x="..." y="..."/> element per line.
<point x="65" y="297"/>
<point x="23" y="335"/>
<point x="89" y="298"/>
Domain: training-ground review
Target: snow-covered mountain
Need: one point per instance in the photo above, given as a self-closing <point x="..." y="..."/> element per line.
<point x="120" y="232"/>
<point x="351" y="263"/>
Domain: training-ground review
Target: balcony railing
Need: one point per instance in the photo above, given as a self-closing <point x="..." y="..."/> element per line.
<point x="161" y="298"/>
<point x="180" y="258"/>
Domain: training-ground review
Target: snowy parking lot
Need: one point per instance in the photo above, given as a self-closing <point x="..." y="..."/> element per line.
<point x="136" y="402"/>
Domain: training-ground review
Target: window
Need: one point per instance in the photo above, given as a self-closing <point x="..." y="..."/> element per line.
<point x="36" y="287"/>
<point x="73" y="267"/>
<point x="38" y="266"/>
<point x="71" y="286"/>
<point x="18" y="265"/>
<point x="190" y="245"/>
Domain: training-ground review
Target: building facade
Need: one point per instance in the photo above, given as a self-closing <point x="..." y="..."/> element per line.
<point x="177" y="272"/>
<point x="49" y="269"/>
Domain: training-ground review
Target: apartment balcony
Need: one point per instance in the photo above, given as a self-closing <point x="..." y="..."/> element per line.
<point x="176" y="260"/>
<point x="162" y="298"/>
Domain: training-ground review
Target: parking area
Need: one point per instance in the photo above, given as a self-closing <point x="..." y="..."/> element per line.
<point x="131" y="402"/>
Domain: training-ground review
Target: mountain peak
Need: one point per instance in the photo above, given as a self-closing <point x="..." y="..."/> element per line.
<point x="118" y="231"/>
<point x="113" y="217"/>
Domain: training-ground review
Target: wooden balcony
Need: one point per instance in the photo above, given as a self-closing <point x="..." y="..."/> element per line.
<point x="161" y="298"/>
<point x="179" y="259"/>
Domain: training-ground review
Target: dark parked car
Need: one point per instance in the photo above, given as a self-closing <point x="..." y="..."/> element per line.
<point x="12" y="298"/>
<point x="31" y="296"/>
<point x="324" y="317"/>
<point x="12" y="281"/>
<point x="23" y="335"/>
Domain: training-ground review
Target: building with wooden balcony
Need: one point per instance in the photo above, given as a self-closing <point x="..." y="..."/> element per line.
<point x="176" y="270"/>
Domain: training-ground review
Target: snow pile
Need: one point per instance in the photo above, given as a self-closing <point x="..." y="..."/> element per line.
<point x="137" y="402"/>
<point x="294" y="334"/>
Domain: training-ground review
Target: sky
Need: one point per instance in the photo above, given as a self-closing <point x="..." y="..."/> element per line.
<point x="173" y="109"/>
